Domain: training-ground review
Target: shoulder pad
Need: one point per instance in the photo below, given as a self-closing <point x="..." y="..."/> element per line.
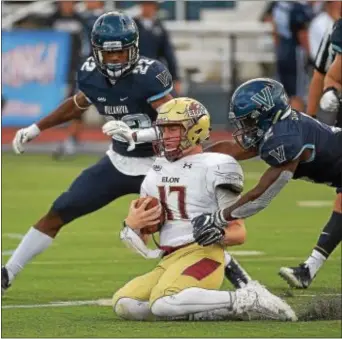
<point x="278" y="150"/>
<point x="225" y="172"/>
<point x="156" y="78"/>
<point x="85" y="71"/>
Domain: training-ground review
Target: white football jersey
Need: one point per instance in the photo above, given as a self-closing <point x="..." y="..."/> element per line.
<point x="187" y="188"/>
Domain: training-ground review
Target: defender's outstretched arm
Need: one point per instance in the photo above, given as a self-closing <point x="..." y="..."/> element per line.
<point x="231" y="148"/>
<point x="270" y="184"/>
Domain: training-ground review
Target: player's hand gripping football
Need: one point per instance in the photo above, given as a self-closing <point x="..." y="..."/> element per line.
<point x="209" y="228"/>
<point x="121" y="129"/>
<point x="139" y="218"/>
<point x="23" y="136"/>
<point x="330" y="100"/>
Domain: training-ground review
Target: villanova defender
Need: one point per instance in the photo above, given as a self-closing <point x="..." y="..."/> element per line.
<point x="296" y="147"/>
<point x="126" y="89"/>
<point x="185" y="283"/>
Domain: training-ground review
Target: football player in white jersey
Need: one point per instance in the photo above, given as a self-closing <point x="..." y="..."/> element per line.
<point x="185" y="284"/>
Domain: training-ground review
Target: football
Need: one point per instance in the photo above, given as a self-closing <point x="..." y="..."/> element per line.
<point x="154" y="228"/>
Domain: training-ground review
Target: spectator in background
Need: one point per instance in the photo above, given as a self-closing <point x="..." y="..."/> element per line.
<point x="321" y="24"/>
<point x="154" y="41"/>
<point x="323" y="59"/>
<point x="267" y="16"/>
<point x="93" y="9"/>
<point x="66" y="19"/>
<point x="291" y="20"/>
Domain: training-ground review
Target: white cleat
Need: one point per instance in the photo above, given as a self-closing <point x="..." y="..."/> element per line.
<point x="256" y="303"/>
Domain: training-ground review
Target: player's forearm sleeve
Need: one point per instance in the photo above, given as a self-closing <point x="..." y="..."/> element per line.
<point x="255" y="206"/>
<point x="145" y="135"/>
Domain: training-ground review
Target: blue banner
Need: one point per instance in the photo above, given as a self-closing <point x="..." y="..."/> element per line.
<point x="35" y="66"/>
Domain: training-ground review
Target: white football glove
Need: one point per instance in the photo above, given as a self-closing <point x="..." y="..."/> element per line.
<point x="119" y="128"/>
<point x="23" y="136"/>
<point x="330" y="101"/>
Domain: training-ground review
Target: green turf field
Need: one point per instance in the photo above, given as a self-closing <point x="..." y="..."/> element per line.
<point x="87" y="262"/>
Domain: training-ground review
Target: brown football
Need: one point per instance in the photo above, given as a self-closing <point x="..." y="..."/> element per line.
<point x="154" y="228"/>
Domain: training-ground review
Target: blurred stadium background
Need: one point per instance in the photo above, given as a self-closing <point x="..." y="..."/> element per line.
<point x="218" y="44"/>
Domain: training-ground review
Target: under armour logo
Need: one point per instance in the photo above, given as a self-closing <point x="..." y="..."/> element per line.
<point x="278" y="154"/>
<point x="164" y="77"/>
<point x="101" y="99"/>
<point x="264" y="98"/>
<point x="186" y="165"/>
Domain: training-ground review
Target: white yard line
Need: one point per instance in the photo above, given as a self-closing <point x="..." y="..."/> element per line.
<point x="13" y="235"/>
<point x="315" y="203"/>
<point x="246" y="253"/>
<point x="108" y="302"/>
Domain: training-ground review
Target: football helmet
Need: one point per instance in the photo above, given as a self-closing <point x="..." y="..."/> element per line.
<point x="115" y="31"/>
<point x="194" y="121"/>
<point x="255" y="106"/>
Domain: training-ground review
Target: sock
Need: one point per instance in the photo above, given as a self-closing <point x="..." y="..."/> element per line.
<point x="33" y="243"/>
<point x="131" y="309"/>
<point x="234" y="271"/>
<point x="192" y="300"/>
<point x="331" y="235"/>
<point x="227" y="258"/>
<point x="315" y="262"/>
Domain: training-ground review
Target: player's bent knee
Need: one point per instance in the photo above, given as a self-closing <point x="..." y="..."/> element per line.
<point x="161" y="308"/>
<point x="131" y="309"/>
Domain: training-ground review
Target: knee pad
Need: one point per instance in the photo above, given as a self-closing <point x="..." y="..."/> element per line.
<point x="161" y="308"/>
<point x="131" y="309"/>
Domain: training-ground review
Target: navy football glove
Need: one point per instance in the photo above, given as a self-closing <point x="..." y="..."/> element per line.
<point x="207" y="229"/>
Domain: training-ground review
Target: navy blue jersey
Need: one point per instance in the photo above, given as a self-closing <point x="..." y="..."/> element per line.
<point x="288" y="138"/>
<point x="336" y="37"/>
<point x="129" y="99"/>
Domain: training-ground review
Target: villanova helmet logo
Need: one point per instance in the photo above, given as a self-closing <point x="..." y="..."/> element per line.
<point x="264" y="98"/>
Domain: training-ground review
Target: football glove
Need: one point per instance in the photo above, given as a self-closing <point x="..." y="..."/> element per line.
<point x="208" y="229"/>
<point x="330" y="100"/>
<point x="119" y="128"/>
<point x="23" y="136"/>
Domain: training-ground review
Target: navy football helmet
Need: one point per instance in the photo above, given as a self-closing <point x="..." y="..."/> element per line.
<point x="115" y="31"/>
<point x="255" y="106"/>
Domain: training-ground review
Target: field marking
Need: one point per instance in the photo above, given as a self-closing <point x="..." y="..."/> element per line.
<point x="7" y="252"/>
<point x="315" y="203"/>
<point x="319" y="295"/>
<point x="108" y="302"/>
<point x="56" y="304"/>
<point x="258" y="257"/>
<point x="246" y="253"/>
<point x="13" y="235"/>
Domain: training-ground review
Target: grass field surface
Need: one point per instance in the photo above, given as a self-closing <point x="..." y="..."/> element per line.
<point x="87" y="263"/>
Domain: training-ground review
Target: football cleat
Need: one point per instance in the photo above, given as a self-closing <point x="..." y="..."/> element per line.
<point x="255" y="302"/>
<point x="236" y="274"/>
<point x="298" y="277"/>
<point x="4" y="280"/>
